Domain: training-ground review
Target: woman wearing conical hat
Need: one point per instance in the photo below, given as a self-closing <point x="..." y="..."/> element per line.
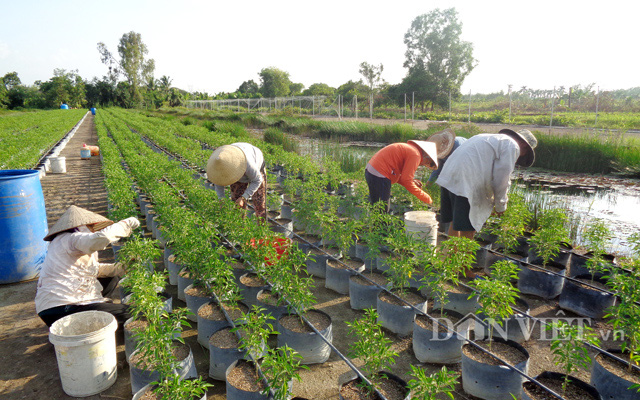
<point x="397" y="163"/>
<point x="72" y="278"/>
<point x="241" y="166"/>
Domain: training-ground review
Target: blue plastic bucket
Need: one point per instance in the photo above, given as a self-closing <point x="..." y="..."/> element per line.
<point x="23" y="225"/>
<point x="93" y="111"/>
<point x="64" y="107"/>
<point x="85" y="153"/>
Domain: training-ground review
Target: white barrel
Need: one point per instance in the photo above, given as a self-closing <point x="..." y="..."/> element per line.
<point x="422" y="225"/>
<point x="85" y="344"/>
<point x="58" y="165"/>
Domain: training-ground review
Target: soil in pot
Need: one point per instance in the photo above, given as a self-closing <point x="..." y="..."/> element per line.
<point x="391" y="389"/>
<point x="505" y="352"/>
<point x="250" y="285"/>
<point x="395" y="315"/>
<point x="130" y="329"/>
<point x="180" y="351"/>
<point x="212" y="311"/>
<point x="613" y="378"/>
<point x="293" y="322"/>
<point x="573" y="392"/>
<point x="243" y="376"/>
<point x="338" y="273"/>
<point x="363" y="293"/>
<point x="225" y="339"/>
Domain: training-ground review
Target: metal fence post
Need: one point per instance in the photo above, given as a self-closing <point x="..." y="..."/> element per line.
<point x="553" y="103"/>
<point x="597" y="104"/>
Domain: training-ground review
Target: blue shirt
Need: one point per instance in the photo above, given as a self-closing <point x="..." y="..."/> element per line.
<point x="456" y="143"/>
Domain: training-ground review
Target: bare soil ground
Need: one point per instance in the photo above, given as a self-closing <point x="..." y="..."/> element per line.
<point x="29" y="362"/>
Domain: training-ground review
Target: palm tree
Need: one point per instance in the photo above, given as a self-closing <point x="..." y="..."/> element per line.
<point x="164" y="83"/>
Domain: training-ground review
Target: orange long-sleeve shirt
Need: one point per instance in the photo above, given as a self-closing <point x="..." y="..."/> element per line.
<point x="398" y="162"/>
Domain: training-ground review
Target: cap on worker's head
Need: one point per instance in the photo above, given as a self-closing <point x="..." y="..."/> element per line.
<point x="226" y="165"/>
<point x="75" y="217"/>
<point x="444" y="142"/>
<point x="527" y="137"/>
<point x="429" y="148"/>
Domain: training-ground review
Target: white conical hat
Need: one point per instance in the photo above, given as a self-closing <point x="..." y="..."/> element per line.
<point x="75" y="217"/>
<point x="429" y="148"/>
<point x="226" y="165"/>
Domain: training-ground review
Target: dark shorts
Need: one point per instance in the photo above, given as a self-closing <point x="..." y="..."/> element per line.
<point x="455" y="209"/>
<point x="120" y="311"/>
<point x="379" y="189"/>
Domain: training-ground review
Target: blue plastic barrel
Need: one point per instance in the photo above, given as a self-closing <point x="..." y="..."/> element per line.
<point x="93" y="111"/>
<point x="23" y="225"/>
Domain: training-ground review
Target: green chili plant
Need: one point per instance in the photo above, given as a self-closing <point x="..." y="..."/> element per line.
<point x="568" y="348"/>
<point x="280" y="366"/>
<point x="450" y="260"/>
<point x="255" y="330"/>
<point x="376" y="225"/>
<point x="425" y="387"/>
<point x="551" y="233"/>
<point x="596" y="236"/>
<point x="371" y="347"/>
<point x="512" y="224"/>
<point x="174" y="387"/>
<point x="496" y="295"/>
<point x="625" y="314"/>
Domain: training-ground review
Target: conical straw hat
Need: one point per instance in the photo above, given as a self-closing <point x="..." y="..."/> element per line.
<point x="429" y="148"/>
<point x="444" y="142"/>
<point x="529" y="139"/>
<point x="75" y="217"/>
<point x="226" y="165"/>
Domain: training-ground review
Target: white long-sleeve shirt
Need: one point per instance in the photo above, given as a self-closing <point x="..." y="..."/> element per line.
<point x="253" y="176"/>
<point x="70" y="270"/>
<point x="480" y="170"/>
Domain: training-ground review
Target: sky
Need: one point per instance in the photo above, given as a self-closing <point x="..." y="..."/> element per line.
<point x="213" y="46"/>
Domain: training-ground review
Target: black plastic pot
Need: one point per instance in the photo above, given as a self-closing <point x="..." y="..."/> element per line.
<point x="182" y="284"/>
<point x="398" y="318"/>
<point x="586" y="301"/>
<point x="362" y="296"/>
<point x="389" y="375"/>
<point x="285" y="211"/>
<point x="234" y="393"/>
<point x="317" y="264"/>
<point x="309" y="345"/>
<point x="578" y="265"/>
<point x="481" y="255"/>
<point x="539" y="282"/>
<point x="441" y="345"/>
<point x="138" y="395"/>
<point x="206" y="327"/>
<point x="221" y="358"/>
<point x="173" y="269"/>
<point x="593" y="392"/>
<point x="337" y="277"/>
<point x="608" y="384"/>
<point x="460" y="303"/>
<point x="142" y="377"/>
<point x="275" y="310"/>
<point x="194" y="303"/>
<point x="284" y="227"/>
<point x="516" y="328"/>
<point x="493" y="382"/>
<point x="564" y="257"/>
<point x="249" y="293"/>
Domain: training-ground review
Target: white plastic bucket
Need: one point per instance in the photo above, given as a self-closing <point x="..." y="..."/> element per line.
<point x="85" y="344"/>
<point x="58" y="165"/>
<point x="422" y="225"/>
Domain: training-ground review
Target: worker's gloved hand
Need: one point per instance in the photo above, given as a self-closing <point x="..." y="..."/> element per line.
<point x="132" y="223"/>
